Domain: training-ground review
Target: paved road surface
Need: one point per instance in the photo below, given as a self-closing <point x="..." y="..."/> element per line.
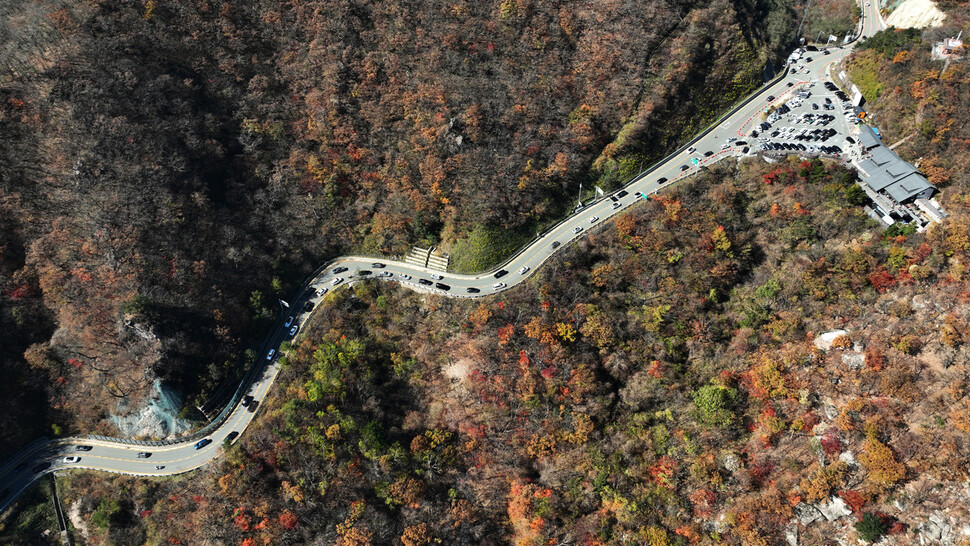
<point x="120" y="456"/>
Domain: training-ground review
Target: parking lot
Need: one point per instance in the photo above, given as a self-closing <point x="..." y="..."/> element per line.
<point x="813" y="122"/>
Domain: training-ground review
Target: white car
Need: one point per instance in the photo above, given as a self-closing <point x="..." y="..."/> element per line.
<point x="577" y="229"/>
<point x="269" y="355"/>
<point x="523" y="269"/>
<point x="498" y="285"/>
<point x="321" y="291"/>
<point x="404" y="276"/>
<point x="594" y="219"/>
<point x="385" y="274"/>
<point x="337" y="281"/>
<point x="72" y="459"/>
<point x="437" y="277"/>
<point x="616" y="205"/>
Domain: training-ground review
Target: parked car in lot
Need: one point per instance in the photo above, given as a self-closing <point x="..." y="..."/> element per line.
<point x="339" y="270"/>
<point x="202" y="443"/>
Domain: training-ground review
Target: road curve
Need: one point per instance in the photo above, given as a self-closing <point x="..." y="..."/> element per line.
<point x="169" y="458"/>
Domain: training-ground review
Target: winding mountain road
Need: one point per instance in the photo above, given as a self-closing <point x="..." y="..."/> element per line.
<point x="168" y="458"/>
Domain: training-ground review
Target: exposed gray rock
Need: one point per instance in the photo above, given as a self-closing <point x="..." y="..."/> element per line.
<point x="831" y="412"/>
<point x="731" y="462"/>
<point x="847" y="457"/>
<point x="855" y="361"/>
<point x="824" y="341"/>
<point x="807" y="514"/>
<point x="791" y="534"/>
<point x="936" y="530"/>
<point x="834" y="509"/>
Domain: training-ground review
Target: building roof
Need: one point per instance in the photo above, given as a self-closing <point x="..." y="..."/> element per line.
<point x="908" y="187"/>
<point x="868" y="138"/>
<point x="885" y="171"/>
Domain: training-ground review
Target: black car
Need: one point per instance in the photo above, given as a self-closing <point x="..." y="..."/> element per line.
<point x="472" y="290"/>
<point x="826" y="52"/>
<point x="555" y="244"/>
<point x="247" y="400"/>
<point x="441" y="286"/>
<point x="660" y="180"/>
<point x="41" y="467"/>
<point x="425" y="282"/>
<point x="377" y="265"/>
<point x="364" y="273"/>
<point x="828" y="100"/>
<point x="339" y="270"/>
<point x="850" y="140"/>
<point x="808" y="59"/>
<point x="771" y="98"/>
<point x="308" y="306"/>
<point x="790" y="84"/>
<point x="740" y="143"/>
<point x="231" y="436"/>
<point x="622" y="193"/>
<point x="814" y="106"/>
<point x="501" y="273"/>
<point x="684" y="168"/>
<point x="252" y="406"/>
<point x="82" y="448"/>
<point x="144" y="454"/>
<point x="745" y="150"/>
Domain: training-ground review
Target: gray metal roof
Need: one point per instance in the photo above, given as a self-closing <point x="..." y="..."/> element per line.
<point x="868" y="138"/>
<point x="885" y="171"/>
<point x="908" y="187"/>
